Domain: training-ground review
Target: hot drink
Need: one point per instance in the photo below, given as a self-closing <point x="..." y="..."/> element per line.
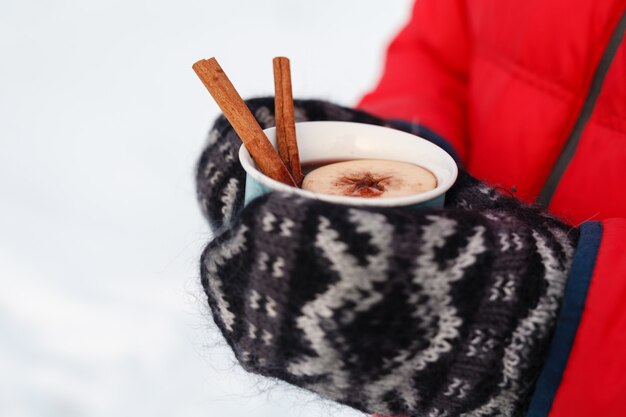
<point x="367" y="178"/>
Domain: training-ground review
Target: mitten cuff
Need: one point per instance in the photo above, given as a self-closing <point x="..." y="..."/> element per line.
<point x="568" y="320"/>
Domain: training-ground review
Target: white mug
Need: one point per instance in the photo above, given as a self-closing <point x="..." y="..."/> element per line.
<point x="328" y="140"/>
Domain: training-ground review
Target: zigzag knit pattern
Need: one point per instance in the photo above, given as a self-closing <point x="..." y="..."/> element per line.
<point x="434" y="312"/>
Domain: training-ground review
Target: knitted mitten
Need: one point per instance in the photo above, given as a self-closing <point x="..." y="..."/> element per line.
<point x="395" y="311"/>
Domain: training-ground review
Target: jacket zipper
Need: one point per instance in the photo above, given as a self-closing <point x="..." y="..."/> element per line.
<point x="569" y="149"/>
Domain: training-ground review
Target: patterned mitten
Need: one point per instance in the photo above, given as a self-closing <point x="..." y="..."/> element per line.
<point x="394" y="311"/>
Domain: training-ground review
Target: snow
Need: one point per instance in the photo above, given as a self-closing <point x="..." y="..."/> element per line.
<point x="101" y="122"/>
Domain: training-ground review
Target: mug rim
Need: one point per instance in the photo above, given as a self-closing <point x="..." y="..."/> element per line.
<point x="442" y="187"/>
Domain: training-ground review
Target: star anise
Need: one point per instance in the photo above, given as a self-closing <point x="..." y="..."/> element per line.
<point x="366" y="185"/>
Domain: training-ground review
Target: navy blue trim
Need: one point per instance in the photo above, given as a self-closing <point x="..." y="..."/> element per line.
<point x="568" y="321"/>
<point x="426" y="133"/>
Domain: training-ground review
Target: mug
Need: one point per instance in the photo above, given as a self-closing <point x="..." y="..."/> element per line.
<point x="334" y="141"/>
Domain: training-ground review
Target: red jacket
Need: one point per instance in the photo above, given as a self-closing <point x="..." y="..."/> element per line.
<point x="532" y="95"/>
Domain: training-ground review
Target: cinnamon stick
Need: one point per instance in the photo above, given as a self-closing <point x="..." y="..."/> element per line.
<point x="242" y="120"/>
<point x="285" y="118"/>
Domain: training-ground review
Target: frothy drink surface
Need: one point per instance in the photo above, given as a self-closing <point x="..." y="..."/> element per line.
<point x="368" y="178"/>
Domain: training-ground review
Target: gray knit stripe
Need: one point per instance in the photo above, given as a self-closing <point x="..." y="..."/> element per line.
<point x="354" y="285"/>
<point x="437" y="309"/>
<point x="517" y="354"/>
<point x="226" y="251"/>
<point x="275" y="257"/>
<point x="485" y="338"/>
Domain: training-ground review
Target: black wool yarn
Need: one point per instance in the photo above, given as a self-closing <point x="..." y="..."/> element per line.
<point x="435" y="312"/>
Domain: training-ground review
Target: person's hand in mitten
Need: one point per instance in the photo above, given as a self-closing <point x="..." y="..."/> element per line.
<point x="394" y="311"/>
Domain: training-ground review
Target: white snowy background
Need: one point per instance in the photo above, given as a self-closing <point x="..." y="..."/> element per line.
<point x="101" y="122"/>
